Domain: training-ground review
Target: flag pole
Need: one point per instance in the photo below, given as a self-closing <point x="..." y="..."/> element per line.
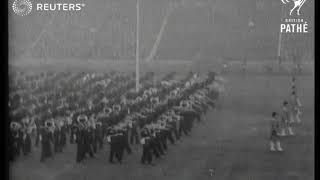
<point x="280" y="39"/>
<point x="137" y="47"/>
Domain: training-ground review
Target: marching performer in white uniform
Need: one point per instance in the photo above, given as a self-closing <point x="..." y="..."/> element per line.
<point x="286" y="126"/>
<point x="275" y="144"/>
<point x="296" y="107"/>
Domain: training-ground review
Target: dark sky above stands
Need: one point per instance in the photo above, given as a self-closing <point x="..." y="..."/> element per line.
<point x="106" y="29"/>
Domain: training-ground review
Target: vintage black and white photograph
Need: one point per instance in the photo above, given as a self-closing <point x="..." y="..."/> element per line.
<point x="161" y="89"/>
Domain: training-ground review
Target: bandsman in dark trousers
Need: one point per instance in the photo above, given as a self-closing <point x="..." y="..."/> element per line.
<point x="120" y="145"/>
<point x="175" y="124"/>
<point x="46" y="139"/>
<point x="169" y="129"/>
<point x="88" y="141"/>
<point x="146" y="152"/>
<point x="26" y="136"/>
<point x="27" y="141"/>
<point x="99" y="135"/>
<point x="134" y="137"/>
<point x="93" y="139"/>
<point x="111" y="141"/>
<point x="14" y="140"/>
<point x="57" y="136"/>
<point x="154" y="142"/>
<point x="79" y="139"/>
<point x="163" y="136"/>
<point x="115" y="146"/>
<point x="73" y="133"/>
<point x="37" y="133"/>
<point x="125" y="139"/>
<point x="183" y="125"/>
<point x="63" y="136"/>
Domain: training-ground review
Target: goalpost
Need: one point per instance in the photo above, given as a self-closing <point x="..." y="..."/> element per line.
<point x="159" y="36"/>
<point x="40" y="35"/>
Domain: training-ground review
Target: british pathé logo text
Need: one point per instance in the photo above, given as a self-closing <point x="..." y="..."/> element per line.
<point x="297" y="5"/>
<point x="294" y="26"/>
<point x="294" y="23"/>
<point x="24" y="7"/>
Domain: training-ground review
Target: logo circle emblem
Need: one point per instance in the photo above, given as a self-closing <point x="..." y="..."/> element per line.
<point x="22" y="7"/>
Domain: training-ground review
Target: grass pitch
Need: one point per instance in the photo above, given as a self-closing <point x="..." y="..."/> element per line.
<point x="232" y="142"/>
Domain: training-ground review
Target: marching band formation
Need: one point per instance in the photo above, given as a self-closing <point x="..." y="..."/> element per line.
<point x="52" y="110"/>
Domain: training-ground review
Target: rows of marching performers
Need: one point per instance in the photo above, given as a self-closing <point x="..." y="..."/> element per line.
<point x="38" y="109"/>
<point x="161" y="117"/>
<point x="151" y="117"/>
<point x="175" y="120"/>
<point x="60" y="91"/>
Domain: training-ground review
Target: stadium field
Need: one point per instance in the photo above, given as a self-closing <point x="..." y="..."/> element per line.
<point x="232" y="141"/>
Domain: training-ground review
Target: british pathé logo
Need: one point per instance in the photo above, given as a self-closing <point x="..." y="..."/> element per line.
<point x="297" y="5"/>
<point x="22" y="7"/>
<point x="293" y="24"/>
